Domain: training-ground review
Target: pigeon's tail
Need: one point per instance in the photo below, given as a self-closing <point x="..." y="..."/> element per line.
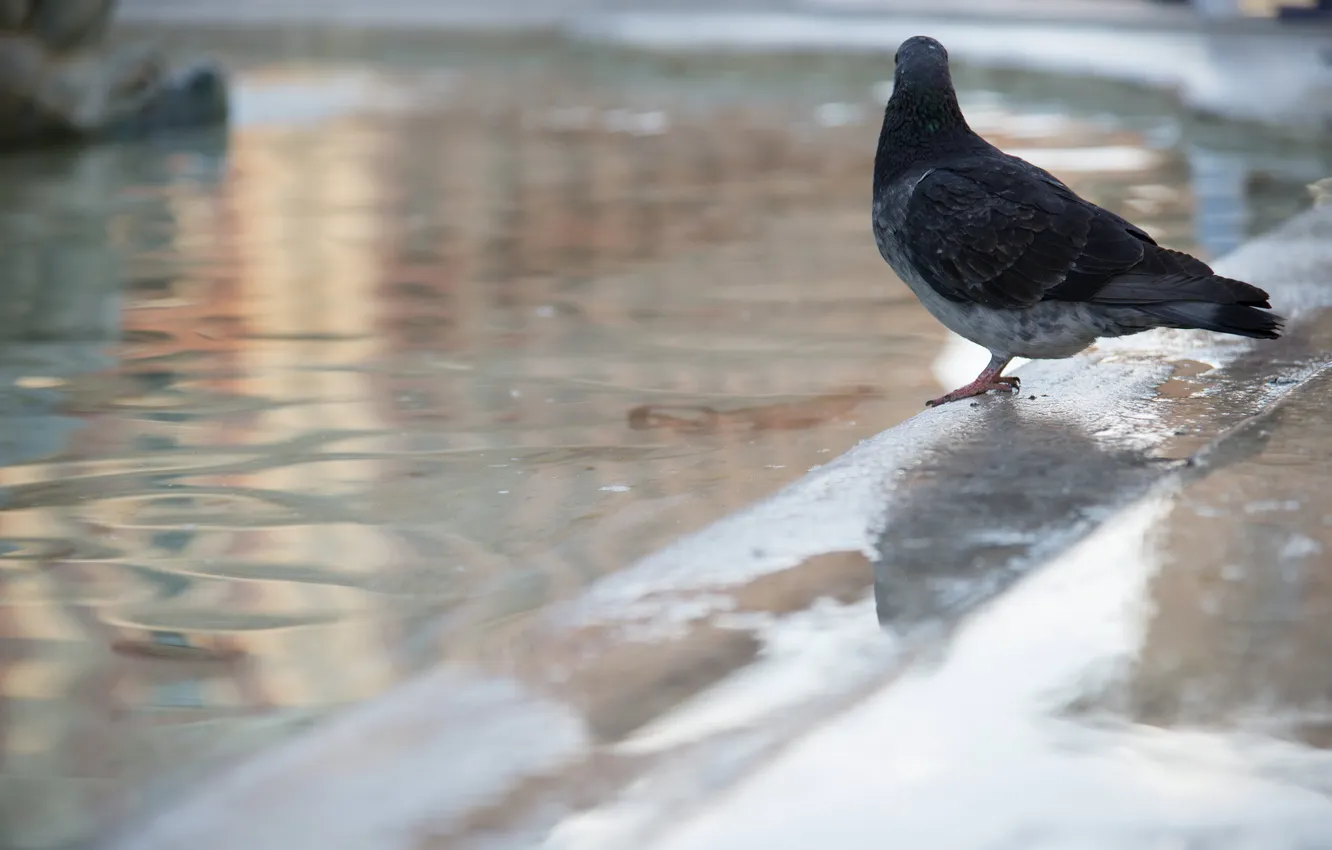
<point x="1181" y="291"/>
<point x="1238" y="319"/>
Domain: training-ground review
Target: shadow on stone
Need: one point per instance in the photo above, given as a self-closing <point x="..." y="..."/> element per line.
<point x="976" y="516"/>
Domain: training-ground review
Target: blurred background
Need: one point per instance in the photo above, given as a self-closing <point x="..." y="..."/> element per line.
<point x="466" y="305"/>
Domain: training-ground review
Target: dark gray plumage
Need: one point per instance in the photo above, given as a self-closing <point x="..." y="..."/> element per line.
<point x="1009" y="257"/>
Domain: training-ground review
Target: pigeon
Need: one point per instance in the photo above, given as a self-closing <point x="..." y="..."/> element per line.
<point x="1004" y="254"/>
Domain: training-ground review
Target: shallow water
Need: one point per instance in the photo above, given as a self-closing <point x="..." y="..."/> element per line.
<point x="440" y="340"/>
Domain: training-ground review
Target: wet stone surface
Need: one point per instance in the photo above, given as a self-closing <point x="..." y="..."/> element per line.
<point x="1238" y="633"/>
<point x="977" y="514"/>
<point x="426" y="346"/>
<point x="1032" y="474"/>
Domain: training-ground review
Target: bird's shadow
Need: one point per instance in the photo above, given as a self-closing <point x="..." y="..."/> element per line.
<point x="977" y="514"/>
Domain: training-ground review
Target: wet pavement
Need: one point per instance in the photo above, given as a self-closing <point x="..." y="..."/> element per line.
<point x="1159" y="683"/>
<point x="427" y="347"/>
<point x="1235" y="638"/>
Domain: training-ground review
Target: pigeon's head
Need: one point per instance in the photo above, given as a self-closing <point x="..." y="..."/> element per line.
<point x="922" y="65"/>
<point x="923" y="108"/>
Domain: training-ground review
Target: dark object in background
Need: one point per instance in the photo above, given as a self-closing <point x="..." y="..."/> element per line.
<point x="1004" y="254"/>
<point x="61" y="82"/>
<point x="1320" y="13"/>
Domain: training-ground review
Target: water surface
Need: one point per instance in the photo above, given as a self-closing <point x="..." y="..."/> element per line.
<point x="439" y="335"/>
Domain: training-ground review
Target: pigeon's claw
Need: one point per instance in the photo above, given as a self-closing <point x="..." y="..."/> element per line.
<point x="990" y="379"/>
<point x="975" y="388"/>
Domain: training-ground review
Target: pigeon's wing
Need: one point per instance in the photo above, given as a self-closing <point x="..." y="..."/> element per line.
<point x="1165" y="275"/>
<point x="1002" y="233"/>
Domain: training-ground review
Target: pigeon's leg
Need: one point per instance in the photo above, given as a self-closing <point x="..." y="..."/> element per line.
<point x="989" y="379"/>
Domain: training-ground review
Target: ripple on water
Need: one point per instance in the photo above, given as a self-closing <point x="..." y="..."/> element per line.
<point x="189" y="508"/>
<point x="46" y="549"/>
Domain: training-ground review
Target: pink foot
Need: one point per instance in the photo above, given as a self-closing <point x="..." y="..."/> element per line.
<point x="989" y="380"/>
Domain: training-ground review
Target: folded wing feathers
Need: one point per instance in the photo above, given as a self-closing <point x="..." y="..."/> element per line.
<point x="1003" y="236"/>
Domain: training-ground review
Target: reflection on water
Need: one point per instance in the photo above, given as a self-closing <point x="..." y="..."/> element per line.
<point x="420" y="351"/>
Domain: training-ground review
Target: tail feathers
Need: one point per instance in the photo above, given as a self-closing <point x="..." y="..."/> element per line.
<point x="1242" y="293"/>
<point x="1237" y="319"/>
<point x="1139" y="289"/>
<point x="1164" y="276"/>
<point x="1190" y="272"/>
